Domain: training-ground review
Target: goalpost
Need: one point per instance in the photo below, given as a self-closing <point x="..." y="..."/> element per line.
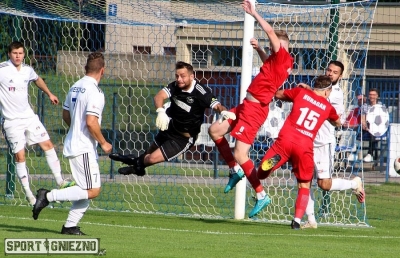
<point x="141" y="41"/>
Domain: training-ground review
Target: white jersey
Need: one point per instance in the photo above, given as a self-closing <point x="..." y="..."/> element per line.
<point x="84" y="98"/>
<point x="14" y="102"/>
<point x="326" y="134"/>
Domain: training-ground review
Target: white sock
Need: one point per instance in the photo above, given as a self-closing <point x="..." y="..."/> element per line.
<point x="22" y="174"/>
<point x="70" y="194"/>
<point x="310" y="209"/>
<point x="339" y="184"/>
<point x="261" y="195"/>
<point x="76" y="213"/>
<point x="54" y="164"/>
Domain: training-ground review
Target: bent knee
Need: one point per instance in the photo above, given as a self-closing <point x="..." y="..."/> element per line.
<point x="94" y="192"/>
<point x="325" y="184"/>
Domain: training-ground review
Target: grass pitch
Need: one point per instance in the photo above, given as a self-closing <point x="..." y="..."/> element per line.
<point x="127" y="234"/>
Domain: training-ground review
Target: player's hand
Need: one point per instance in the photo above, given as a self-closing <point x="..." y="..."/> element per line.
<point x="303" y="85"/>
<point x="248" y="7"/>
<point x="225" y="115"/>
<point x="106" y="147"/>
<point x="53" y="99"/>
<point x="162" y="120"/>
<point x="254" y="43"/>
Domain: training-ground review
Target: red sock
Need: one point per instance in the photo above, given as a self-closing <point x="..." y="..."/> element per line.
<point x="251" y="174"/>
<point x="301" y="202"/>
<point x="225" y="151"/>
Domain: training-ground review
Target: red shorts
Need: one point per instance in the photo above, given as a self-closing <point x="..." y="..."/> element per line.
<point x="300" y="156"/>
<point x="249" y="118"/>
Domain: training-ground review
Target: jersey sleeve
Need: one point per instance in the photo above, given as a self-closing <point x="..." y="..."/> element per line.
<point x="333" y="116"/>
<point x="95" y="105"/>
<point x="292" y="93"/>
<point x="67" y="102"/>
<point x="170" y="89"/>
<point x="208" y="98"/>
<point x="33" y="75"/>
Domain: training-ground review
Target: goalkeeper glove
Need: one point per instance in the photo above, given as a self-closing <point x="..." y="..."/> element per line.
<point x="162" y="120"/>
<point x="226" y="115"/>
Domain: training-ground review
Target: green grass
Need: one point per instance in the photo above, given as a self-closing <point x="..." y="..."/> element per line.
<point x="128" y="234"/>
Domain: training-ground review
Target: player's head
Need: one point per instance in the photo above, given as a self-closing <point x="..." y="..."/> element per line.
<point x="283" y="38"/>
<point x="16" y="53"/>
<point x="95" y="64"/>
<point x="184" y="75"/>
<point x="335" y="71"/>
<point x="361" y="99"/>
<point x="373" y="96"/>
<point x="323" y="86"/>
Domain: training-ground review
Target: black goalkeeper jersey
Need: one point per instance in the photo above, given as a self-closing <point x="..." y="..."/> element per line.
<point x="187" y="108"/>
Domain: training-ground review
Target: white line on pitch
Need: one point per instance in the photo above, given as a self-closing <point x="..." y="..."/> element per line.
<point x="208" y="232"/>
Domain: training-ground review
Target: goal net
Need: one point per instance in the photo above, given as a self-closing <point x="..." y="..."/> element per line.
<point x="141" y="41"/>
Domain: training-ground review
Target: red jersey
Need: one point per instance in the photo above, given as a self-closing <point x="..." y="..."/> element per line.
<point x="354" y="117"/>
<point x="308" y="113"/>
<point x="273" y="74"/>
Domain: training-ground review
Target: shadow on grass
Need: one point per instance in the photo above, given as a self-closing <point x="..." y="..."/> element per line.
<point x="13" y="228"/>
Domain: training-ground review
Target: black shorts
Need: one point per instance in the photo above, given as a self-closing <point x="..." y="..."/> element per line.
<point x="172" y="143"/>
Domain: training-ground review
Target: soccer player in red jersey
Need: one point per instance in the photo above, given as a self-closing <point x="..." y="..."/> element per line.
<point x="251" y="114"/>
<point x="295" y="140"/>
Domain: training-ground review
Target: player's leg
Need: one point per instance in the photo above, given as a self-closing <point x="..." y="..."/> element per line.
<point x="311" y="221"/>
<point x="86" y="173"/>
<point x="14" y="132"/>
<point x="37" y="134"/>
<point x="327" y="183"/>
<point x="303" y="169"/>
<point x="217" y="133"/>
<point x="167" y="146"/>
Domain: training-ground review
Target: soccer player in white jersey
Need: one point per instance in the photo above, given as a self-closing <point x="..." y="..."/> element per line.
<point x="324" y="150"/>
<point x="82" y="111"/>
<point x="21" y="125"/>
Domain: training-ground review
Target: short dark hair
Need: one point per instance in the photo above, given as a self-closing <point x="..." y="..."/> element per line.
<point x="374" y="89"/>
<point x="94" y="63"/>
<point x="322" y="82"/>
<point x="15" y="45"/>
<point x="339" y="64"/>
<point x="181" y="65"/>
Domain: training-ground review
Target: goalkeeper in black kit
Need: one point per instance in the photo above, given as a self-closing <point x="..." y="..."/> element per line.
<point x="179" y="125"/>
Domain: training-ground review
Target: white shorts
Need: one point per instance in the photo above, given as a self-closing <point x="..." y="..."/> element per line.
<point x="323" y="159"/>
<point x="20" y="132"/>
<point x="85" y="170"/>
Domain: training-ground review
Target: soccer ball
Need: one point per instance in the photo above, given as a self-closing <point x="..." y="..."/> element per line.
<point x="378" y="120"/>
<point x="274" y="122"/>
<point x="396" y="165"/>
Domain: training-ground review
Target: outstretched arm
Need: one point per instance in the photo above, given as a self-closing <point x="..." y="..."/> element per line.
<point x="260" y="50"/>
<point x="274" y="40"/>
<point x="281" y="95"/>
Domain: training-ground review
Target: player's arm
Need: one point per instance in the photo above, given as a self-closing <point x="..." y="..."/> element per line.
<point x="42" y="85"/>
<point x="162" y="121"/>
<point x="336" y="123"/>
<point x="274" y="40"/>
<point x="93" y="126"/>
<point x="305" y="86"/>
<point x="280" y="94"/>
<point x="260" y="50"/>
<point x="66" y="117"/>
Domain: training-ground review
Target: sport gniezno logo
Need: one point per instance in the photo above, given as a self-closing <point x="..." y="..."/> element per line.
<point x="51" y="246"/>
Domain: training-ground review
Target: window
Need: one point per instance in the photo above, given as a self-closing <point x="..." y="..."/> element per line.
<point x="226" y="56"/>
<point x="141" y="50"/>
<point x="199" y="56"/>
<point x="393" y="62"/>
<point x="169" y="51"/>
<point x="375" y="61"/>
<point x="314" y="59"/>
